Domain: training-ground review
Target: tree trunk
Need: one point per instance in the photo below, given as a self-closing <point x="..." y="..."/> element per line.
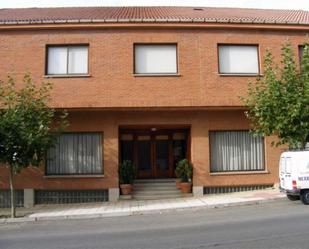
<point x="13" y="209"/>
<point x="303" y="143"/>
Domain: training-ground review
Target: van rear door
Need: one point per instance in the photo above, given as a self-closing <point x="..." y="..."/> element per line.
<point x="286" y="173"/>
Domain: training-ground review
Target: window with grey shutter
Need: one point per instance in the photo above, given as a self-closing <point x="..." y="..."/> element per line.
<point x="76" y="153"/>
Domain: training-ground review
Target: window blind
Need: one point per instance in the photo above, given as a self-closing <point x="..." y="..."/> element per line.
<point x="238" y="59"/>
<point x="155" y="59"/>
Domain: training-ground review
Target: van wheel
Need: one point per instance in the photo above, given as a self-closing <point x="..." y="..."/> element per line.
<point x="293" y="197"/>
<point x="305" y="197"/>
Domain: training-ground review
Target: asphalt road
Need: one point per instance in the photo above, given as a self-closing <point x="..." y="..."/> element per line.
<point x="281" y="224"/>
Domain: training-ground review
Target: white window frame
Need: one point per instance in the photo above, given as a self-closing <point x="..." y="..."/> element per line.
<point x="239" y="73"/>
<point x="68" y="47"/>
<point x="155" y="73"/>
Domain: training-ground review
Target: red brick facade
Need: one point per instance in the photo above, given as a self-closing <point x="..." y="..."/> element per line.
<point x="113" y="96"/>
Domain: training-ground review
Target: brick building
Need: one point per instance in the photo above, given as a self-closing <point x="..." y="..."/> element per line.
<point x="149" y="84"/>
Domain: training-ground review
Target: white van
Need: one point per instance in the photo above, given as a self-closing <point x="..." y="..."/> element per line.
<point x="294" y="175"/>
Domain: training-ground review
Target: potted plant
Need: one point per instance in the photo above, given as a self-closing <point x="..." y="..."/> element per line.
<point x="126" y="177"/>
<point x="184" y="171"/>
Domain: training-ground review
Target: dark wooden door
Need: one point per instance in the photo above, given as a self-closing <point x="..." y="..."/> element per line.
<point x="162" y="160"/>
<point x="144" y="156"/>
<point x="154" y="153"/>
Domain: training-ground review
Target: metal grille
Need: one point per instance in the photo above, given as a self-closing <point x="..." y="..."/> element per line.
<point x="222" y="190"/>
<point x="5" y="198"/>
<point x="70" y="196"/>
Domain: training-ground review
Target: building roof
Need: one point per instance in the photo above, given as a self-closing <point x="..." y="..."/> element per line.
<point x="152" y="14"/>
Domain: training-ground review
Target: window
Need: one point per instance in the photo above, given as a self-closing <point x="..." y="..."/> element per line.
<point x="67" y="60"/>
<point x="300" y="53"/>
<point x="76" y="153"/>
<point x="155" y="59"/>
<point x="236" y="151"/>
<point x="238" y="59"/>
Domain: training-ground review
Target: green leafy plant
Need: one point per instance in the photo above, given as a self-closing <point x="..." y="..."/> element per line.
<point x="126" y="172"/>
<point x="278" y="102"/>
<point x="184" y="170"/>
<point x="26" y="123"/>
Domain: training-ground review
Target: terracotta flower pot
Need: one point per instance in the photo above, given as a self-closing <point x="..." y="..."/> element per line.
<point x="185" y="187"/>
<point x="126" y="189"/>
<point x="178" y="183"/>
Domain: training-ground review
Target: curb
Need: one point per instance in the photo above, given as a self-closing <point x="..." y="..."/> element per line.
<point x="134" y="213"/>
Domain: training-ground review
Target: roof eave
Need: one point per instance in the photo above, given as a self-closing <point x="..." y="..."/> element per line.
<point x="150" y="22"/>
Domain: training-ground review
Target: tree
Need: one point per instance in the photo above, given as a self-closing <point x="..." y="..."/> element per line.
<point x="278" y="102"/>
<point x="27" y="126"/>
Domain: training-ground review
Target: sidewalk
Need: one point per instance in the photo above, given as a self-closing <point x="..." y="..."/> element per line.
<point x="132" y="207"/>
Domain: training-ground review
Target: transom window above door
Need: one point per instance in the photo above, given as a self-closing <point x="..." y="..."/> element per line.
<point x="155" y="59"/>
<point x="67" y="60"/>
<point x="238" y="59"/>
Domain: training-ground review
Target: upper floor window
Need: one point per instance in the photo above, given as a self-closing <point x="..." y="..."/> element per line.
<point x="238" y="59"/>
<point x="155" y="59"/>
<point x="67" y="60"/>
<point x="300" y="53"/>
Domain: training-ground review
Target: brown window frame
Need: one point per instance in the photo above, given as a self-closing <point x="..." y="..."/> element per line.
<point x="102" y="135"/>
<point x="155" y="44"/>
<point x="235" y="171"/>
<point x="68" y="46"/>
<point x="240" y="45"/>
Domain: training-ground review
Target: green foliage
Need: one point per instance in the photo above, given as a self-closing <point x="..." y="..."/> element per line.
<point x="278" y="102"/>
<point x="26" y="122"/>
<point x="126" y="172"/>
<point x="184" y="170"/>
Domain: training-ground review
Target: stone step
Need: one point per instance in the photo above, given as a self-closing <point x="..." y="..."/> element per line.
<point x="153" y="197"/>
<point x="155" y="184"/>
<point x="167" y="180"/>
<point x="157" y="192"/>
<point x="161" y="188"/>
<point x="155" y="189"/>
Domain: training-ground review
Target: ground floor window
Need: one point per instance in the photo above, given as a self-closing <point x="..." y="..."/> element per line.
<point x="76" y="153"/>
<point x="236" y="151"/>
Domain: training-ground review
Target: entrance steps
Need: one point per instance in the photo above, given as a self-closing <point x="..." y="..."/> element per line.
<point x="156" y="189"/>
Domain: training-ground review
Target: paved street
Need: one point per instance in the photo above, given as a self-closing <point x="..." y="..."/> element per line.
<point x="280" y="224"/>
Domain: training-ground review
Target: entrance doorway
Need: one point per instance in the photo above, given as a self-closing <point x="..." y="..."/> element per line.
<point x="154" y="152"/>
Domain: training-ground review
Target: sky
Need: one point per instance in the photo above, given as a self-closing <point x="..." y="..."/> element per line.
<point x="262" y="4"/>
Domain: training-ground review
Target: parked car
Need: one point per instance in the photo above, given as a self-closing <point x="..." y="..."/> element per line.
<point x="294" y="175"/>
